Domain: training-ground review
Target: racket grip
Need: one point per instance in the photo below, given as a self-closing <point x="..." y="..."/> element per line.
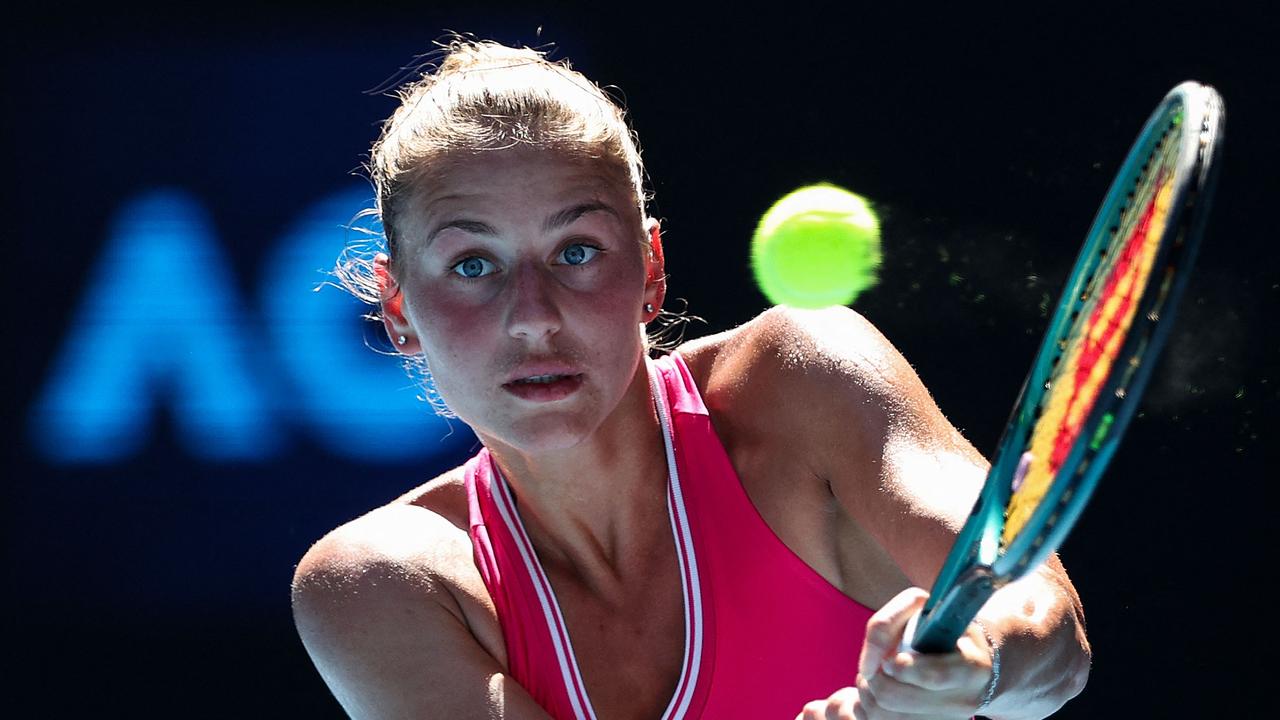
<point x="938" y="631"/>
<point x="909" y="633"/>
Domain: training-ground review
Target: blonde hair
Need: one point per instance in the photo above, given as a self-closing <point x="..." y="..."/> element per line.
<point x="484" y="96"/>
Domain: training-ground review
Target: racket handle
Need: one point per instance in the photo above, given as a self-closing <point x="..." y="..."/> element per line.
<point x="909" y="633"/>
<point x="938" y="631"/>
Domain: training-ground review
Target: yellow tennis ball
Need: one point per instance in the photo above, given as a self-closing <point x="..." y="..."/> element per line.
<point x="816" y="247"/>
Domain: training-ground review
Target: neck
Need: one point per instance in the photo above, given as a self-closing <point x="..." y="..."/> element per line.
<point x="597" y="511"/>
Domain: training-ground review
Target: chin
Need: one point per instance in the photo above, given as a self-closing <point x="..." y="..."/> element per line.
<point x="544" y="434"/>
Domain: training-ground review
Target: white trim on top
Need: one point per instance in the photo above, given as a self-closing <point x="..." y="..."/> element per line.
<point x="685" y="552"/>
<point x="569" y="670"/>
<point x="572" y="678"/>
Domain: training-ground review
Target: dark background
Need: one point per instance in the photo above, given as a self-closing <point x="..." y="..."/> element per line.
<point x="155" y="582"/>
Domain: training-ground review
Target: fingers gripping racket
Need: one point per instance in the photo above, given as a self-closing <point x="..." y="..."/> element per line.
<point x="1092" y="365"/>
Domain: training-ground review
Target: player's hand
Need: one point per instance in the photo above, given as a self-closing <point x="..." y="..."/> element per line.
<point x="907" y="684"/>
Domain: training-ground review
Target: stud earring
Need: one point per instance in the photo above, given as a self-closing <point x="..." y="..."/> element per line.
<point x="648" y="307"/>
<point x="402" y="340"/>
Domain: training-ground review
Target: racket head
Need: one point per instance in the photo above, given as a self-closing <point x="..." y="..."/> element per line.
<point x="1165" y="182"/>
<point x="1093" y="363"/>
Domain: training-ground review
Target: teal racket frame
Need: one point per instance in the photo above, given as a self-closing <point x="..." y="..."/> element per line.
<point x="1192" y="116"/>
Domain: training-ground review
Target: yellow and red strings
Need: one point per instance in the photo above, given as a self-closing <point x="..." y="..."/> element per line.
<point x="1088" y="361"/>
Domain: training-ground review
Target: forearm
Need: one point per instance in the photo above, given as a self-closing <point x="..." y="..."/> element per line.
<point x="1038" y="625"/>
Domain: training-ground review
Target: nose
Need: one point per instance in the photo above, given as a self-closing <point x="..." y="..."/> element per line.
<point x="533" y="312"/>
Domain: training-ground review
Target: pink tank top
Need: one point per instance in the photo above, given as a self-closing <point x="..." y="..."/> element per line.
<point x="764" y="632"/>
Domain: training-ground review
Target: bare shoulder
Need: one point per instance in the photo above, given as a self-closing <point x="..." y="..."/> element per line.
<point x="412" y="540"/>
<point x="412" y="550"/>
<point x="396" y="556"/>
<point x="392" y="599"/>
<point x="786" y="359"/>
<point x="832" y="374"/>
<point x="829" y="392"/>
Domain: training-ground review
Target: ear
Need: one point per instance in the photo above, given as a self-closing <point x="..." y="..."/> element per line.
<point x="655" y="284"/>
<point x="392" y="301"/>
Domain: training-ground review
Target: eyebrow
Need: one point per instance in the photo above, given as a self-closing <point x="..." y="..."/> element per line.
<point x="568" y="215"/>
<point x="472" y="226"/>
<point x="558" y="220"/>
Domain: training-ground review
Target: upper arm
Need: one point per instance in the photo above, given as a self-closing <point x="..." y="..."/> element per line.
<point x="892" y="460"/>
<point x="387" y="634"/>
<point x="908" y="479"/>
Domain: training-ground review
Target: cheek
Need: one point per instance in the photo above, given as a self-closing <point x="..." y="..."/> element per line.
<point x="450" y="330"/>
<point x="611" y="306"/>
<point x="609" y="328"/>
<point x="454" y="333"/>
<point x="458" y="349"/>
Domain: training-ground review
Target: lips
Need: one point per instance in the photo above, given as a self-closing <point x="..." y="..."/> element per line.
<point x="540" y="379"/>
<point x="545" y="387"/>
<point x="532" y="373"/>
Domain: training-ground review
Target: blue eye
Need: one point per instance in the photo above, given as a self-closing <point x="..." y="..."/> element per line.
<point x="578" y="254"/>
<point x="472" y="267"/>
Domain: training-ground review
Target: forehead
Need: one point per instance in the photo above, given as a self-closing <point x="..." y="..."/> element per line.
<point x="518" y="179"/>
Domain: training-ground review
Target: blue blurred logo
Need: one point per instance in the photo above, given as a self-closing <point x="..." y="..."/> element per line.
<point x="162" y="326"/>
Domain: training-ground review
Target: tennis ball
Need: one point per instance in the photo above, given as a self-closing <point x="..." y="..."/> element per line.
<point x="816" y="247"/>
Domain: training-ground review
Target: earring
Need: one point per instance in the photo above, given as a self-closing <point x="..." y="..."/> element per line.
<point x="648" y="307"/>
<point x="402" y="340"/>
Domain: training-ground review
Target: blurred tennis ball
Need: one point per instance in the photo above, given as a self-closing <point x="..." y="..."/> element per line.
<point x="816" y="247"/>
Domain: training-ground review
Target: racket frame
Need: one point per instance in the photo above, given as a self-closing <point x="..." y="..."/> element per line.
<point x="976" y="568"/>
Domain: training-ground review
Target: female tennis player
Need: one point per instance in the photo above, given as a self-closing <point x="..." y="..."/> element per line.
<point x="739" y="528"/>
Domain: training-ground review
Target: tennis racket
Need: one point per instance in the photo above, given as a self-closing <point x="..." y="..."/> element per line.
<point x="1092" y="366"/>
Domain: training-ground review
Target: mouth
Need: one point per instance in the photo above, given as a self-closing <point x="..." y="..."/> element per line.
<point x="544" y="388"/>
<point x="540" y="379"/>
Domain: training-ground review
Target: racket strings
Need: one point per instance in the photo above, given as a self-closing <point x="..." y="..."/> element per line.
<point x="1104" y="312"/>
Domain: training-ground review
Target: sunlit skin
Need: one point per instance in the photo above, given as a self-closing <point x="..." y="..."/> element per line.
<point x="555" y="248"/>
<point x="837" y="444"/>
<point x="562" y="274"/>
